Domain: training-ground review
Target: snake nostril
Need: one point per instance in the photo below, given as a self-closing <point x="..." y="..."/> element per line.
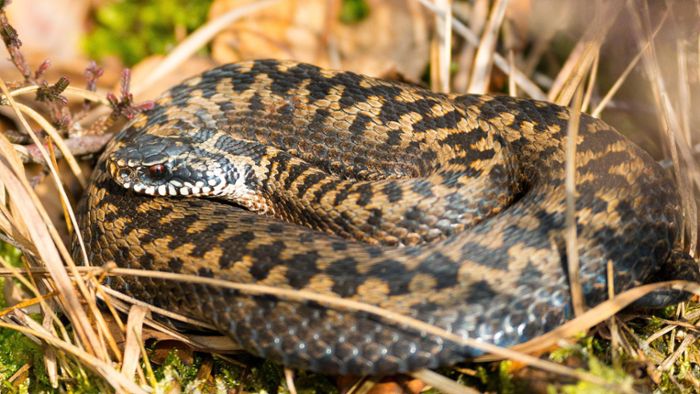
<point x="124" y="173"/>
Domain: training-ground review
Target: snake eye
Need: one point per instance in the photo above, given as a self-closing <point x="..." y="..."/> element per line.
<point x="157" y="171"/>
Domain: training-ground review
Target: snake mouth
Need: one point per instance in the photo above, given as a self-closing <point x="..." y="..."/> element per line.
<point x="132" y="178"/>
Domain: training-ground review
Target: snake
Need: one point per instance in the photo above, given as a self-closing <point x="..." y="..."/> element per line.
<point x="448" y="209"/>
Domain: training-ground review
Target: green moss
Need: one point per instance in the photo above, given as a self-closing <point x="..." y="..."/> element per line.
<point x="353" y="11"/>
<point x="173" y="366"/>
<point x="612" y="375"/>
<point x="17" y="350"/>
<point x="132" y="29"/>
<point x="595" y="353"/>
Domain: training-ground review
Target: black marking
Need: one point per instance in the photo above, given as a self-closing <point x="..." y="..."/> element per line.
<point x="463" y="142"/>
<point x="602" y="164"/>
<point x="345" y="276"/>
<point x="319" y="87"/>
<point x="227" y="107"/>
<point x="235" y="248"/>
<point x="155" y="115"/>
<point x="224" y="142"/>
<point x="321" y="191"/>
<point x="374" y="251"/>
<point x="342" y="194"/>
<point x="155" y="214"/>
<point x="392" y="191"/>
<point x="207" y="239"/>
<point x="181" y="92"/>
<point x="339" y="246"/>
<point x="600" y="140"/>
<point x="422" y="187"/>
<point x="307" y="237"/>
<point x="375" y="217"/>
<point x="493" y="258"/>
<point x="442" y="268"/>
<point x="124" y="253"/>
<point x="365" y="193"/>
<point x="530" y="275"/>
<point x="255" y="104"/>
<point x="451" y="178"/>
<point x="275" y="228"/>
<point x="359" y="125"/>
<point x="282" y="83"/>
<point x="294" y="171"/>
<point x="394" y="274"/>
<point x="305" y="70"/>
<point x="242" y="81"/>
<point x="427" y="308"/>
<point x="480" y="292"/>
<point x="205" y="272"/>
<point x="448" y="120"/>
<point x="175" y="264"/>
<point x="393" y="137"/>
<point x="266" y="257"/>
<point x="312" y="178"/>
<point x="317" y="124"/>
<point x="248" y="219"/>
<point x="393" y="110"/>
<point x="301" y="268"/>
<point x="184" y="222"/>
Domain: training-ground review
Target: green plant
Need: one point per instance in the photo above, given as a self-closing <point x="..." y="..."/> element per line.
<point x="133" y="29"/>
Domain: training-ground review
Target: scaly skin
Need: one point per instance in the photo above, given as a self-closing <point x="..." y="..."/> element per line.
<point x="473" y="186"/>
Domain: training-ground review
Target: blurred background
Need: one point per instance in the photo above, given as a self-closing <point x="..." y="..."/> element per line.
<point x="391" y="38"/>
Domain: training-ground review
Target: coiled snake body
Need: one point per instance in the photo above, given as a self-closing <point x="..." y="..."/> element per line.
<point x="447" y="209"/>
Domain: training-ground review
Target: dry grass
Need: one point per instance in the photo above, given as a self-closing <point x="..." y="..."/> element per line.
<point x="58" y="286"/>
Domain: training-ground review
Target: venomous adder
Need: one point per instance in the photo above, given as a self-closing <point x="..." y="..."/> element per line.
<point x="448" y="209"/>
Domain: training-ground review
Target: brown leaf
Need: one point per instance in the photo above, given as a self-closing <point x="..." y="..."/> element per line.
<point x="311" y="31"/>
<point x="163" y="348"/>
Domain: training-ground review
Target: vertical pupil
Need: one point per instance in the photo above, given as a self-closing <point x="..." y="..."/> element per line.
<point x="157" y="170"/>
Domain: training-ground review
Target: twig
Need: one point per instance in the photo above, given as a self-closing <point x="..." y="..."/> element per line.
<point x="441" y="47"/>
<point x="621" y="300"/>
<point x="70" y="91"/>
<point x="521" y="79"/>
<point x="78" y="146"/>
<point x="572" y="257"/>
<point x="13" y="44"/>
<point x="442" y="383"/>
<point x="124" y="105"/>
<point x="487" y="49"/>
<point x="47" y="249"/>
<point x="623" y="77"/>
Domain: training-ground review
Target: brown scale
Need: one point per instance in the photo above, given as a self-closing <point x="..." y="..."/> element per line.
<point x="501" y="279"/>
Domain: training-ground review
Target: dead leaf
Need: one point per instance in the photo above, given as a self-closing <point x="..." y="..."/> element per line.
<point x="132" y="347"/>
<point x="311" y="31"/>
<point x="163" y="348"/>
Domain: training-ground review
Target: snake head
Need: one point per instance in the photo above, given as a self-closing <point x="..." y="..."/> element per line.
<point x="180" y="164"/>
